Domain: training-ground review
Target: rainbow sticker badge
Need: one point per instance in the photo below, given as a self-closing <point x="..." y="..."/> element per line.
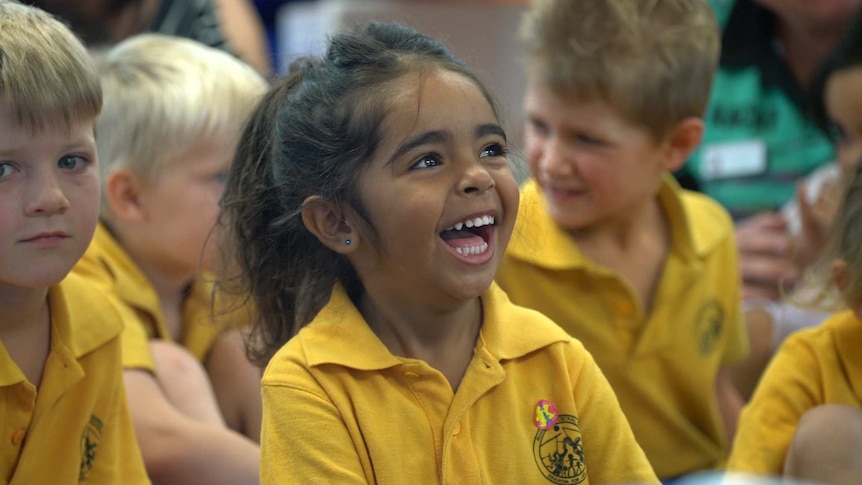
<point x="546" y="415"/>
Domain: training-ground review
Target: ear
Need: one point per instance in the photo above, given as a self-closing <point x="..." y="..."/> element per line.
<point x="326" y="220"/>
<point x="683" y="138"/>
<point x="123" y="195"/>
<point x="839" y="274"/>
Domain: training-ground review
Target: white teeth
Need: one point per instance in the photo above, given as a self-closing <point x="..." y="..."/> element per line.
<point x="472" y="250"/>
<point x="477" y="222"/>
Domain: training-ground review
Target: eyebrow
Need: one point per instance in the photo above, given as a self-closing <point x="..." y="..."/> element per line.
<point x="429" y="137"/>
<point x="491" y="129"/>
<point x="442" y="136"/>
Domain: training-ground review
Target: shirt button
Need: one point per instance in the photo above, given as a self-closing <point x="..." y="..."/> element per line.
<point x="18" y="436"/>
<point x="624" y="308"/>
<point x="457" y="430"/>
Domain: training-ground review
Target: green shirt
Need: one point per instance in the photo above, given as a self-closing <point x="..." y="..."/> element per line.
<point x="758" y="140"/>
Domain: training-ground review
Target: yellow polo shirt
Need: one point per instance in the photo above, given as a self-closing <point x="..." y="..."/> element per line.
<point x="662" y="366"/>
<point x="532" y="408"/>
<point x="107" y="265"/>
<point x="76" y="426"/>
<point x="814" y="366"/>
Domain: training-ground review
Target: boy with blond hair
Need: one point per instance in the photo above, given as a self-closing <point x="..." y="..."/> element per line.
<point x="173" y="112"/>
<point x="60" y="367"/>
<point x="607" y="244"/>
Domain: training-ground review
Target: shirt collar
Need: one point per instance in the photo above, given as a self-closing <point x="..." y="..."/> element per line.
<point x="539" y="240"/>
<point x="339" y="335"/>
<point x="93" y="327"/>
<point x="130" y="283"/>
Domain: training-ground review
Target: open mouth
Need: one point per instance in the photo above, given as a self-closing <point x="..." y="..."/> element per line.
<point x="470" y="237"/>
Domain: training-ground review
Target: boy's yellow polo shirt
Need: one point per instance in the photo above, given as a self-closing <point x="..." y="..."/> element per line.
<point x="107" y="265"/>
<point x="76" y="426"/>
<point x="532" y="408"/>
<point x="814" y="366"/>
<point x="662" y="366"/>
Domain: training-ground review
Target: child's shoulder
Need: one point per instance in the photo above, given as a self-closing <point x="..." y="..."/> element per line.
<point x="709" y="222"/>
<point x="842" y="328"/>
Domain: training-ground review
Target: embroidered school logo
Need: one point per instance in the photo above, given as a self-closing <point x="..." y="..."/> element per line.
<point x="708" y="325"/>
<point x="559" y="451"/>
<point x="546" y="415"/>
<point x="90" y="440"/>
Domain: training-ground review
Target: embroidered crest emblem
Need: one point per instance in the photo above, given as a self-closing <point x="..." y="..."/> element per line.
<point x="90" y="439"/>
<point x="546" y="414"/>
<point x="559" y="451"/>
<point x="708" y="325"/>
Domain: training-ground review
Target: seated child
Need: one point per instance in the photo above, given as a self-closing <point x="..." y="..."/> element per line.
<point x="65" y="417"/>
<point x="606" y="243"/>
<point x="837" y="101"/>
<point x="805" y="418"/>
<point x="173" y="111"/>
<point x="368" y="225"/>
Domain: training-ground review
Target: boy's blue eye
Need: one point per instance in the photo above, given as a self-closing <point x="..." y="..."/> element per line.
<point x="71" y="162"/>
<point x="6" y="170"/>
<point x="427" y="161"/>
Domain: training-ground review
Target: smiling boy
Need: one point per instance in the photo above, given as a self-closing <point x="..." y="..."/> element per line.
<point x="607" y="244"/>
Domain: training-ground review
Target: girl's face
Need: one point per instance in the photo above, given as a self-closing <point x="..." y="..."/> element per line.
<point x="843" y="95"/>
<point x="439" y="192"/>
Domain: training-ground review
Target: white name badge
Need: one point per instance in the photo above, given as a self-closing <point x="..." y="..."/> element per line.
<point x="733" y="160"/>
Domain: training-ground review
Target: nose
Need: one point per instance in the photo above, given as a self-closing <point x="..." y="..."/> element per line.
<point x="476" y="179"/>
<point x="45" y="196"/>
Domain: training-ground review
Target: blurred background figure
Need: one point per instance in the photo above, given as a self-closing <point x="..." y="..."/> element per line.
<point x="232" y="25"/>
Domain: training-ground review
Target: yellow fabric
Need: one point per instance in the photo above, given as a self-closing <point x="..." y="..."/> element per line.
<point x="338" y="404"/>
<point x="107" y="265"/>
<point x="662" y="366"/>
<point x="815" y="366"/>
<point x="80" y="406"/>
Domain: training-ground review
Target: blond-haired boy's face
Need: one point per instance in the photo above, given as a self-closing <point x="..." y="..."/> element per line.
<point x="593" y="166"/>
<point x="49" y="200"/>
<point x="181" y="208"/>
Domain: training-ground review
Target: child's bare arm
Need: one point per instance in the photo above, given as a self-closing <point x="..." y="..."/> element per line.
<point x="729" y="403"/>
<point x="178" y="449"/>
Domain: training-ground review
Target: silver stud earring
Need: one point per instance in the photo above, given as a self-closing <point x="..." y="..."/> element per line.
<point x="347" y="242"/>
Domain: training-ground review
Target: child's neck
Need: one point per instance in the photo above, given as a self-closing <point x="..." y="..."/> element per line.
<point x="25" y="329"/>
<point x="445" y="340"/>
<point x="170" y="284"/>
<point x="634" y="246"/>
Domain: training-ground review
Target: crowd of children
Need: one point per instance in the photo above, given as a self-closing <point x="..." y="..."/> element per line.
<point x="335" y="277"/>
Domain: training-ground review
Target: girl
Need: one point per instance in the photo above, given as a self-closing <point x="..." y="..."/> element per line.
<point x="368" y="224"/>
<point x="805" y="419"/>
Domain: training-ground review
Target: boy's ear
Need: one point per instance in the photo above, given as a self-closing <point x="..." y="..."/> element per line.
<point x="326" y="220"/>
<point x="123" y="195"/>
<point x="681" y="141"/>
